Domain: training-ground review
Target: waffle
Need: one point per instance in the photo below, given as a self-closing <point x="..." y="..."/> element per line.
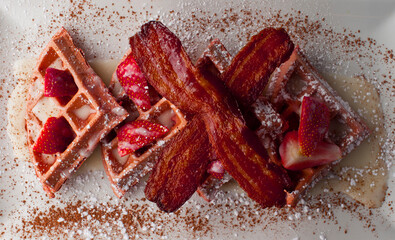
<point x="91" y="113"/>
<point x="297" y="78"/>
<point x="125" y="172"/>
<point x="215" y="58"/>
<point x="276" y="107"/>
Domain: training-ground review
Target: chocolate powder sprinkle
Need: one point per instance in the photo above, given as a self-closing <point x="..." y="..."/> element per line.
<point x="232" y="215"/>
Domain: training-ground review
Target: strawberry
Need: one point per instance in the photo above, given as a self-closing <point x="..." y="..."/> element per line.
<point x="293" y="159"/>
<point x="216" y="169"/>
<point x="59" y="83"/>
<point x="314" y="124"/>
<point x="137" y="134"/>
<point x="54" y="137"/>
<point x="133" y="81"/>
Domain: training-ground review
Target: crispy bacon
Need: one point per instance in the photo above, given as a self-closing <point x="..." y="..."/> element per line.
<point x="167" y="66"/>
<point x="246" y="160"/>
<point x="168" y="69"/>
<point x="181" y="168"/>
<point x="249" y="72"/>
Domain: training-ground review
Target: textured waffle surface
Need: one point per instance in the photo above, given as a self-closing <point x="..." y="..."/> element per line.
<point x="91" y="113"/>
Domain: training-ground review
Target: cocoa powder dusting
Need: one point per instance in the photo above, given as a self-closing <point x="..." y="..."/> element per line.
<point x="143" y="220"/>
<point x="135" y="217"/>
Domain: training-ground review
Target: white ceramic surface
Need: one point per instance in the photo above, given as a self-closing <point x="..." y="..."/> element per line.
<point x="25" y="27"/>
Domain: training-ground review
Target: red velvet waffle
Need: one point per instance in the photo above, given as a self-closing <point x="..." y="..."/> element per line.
<point x="280" y="104"/>
<point x="124" y="172"/>
<point x="91" y="112"/>
<point x="297" y="78"/>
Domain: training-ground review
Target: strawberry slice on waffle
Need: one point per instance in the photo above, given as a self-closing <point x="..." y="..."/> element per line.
<point x="292" y="157"/>
<point x="133" y="82"/>
<point x="137" y="134"/>
<point x="59" y="83"/>
<point x="216" y="169"/>
<point x="314" y="124"/>
<point x="305" y="148"/>
<point x="54" y="137"/>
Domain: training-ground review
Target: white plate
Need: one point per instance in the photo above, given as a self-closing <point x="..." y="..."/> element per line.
<point x="101" y="29"/>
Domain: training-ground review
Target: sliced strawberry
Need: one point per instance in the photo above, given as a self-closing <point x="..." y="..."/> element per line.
<point x="133" y="81"/>
<point x="216" y="169"/>
<point x="59" y="83"/>
<point x="54" y="137"/>
<point x="293" y="159"/>
<point x="314" y="124"/>
<point x="137" y="134"/>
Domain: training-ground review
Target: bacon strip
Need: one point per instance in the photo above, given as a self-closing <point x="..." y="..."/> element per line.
<point x="181" y="168"/>
<point x="244" y="158"/>
<point x="168" y="69"/>
<point x="250" y="70"/>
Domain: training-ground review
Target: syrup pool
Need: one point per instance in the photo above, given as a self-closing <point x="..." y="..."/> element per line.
<point x="361" y="175"/>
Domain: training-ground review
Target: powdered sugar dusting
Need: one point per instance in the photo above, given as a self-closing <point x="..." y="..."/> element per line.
<point x="86" y="206"/>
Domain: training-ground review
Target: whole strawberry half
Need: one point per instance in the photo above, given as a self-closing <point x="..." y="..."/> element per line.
<point x="137" y="134"/>
<point x="59" y="83"/>
<point x="216" y="169"/>
<point x="314" y="124"/>
<point x="54" y="137"/>
<point x="134" y="83"/>
<point x="293" y="159"/>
